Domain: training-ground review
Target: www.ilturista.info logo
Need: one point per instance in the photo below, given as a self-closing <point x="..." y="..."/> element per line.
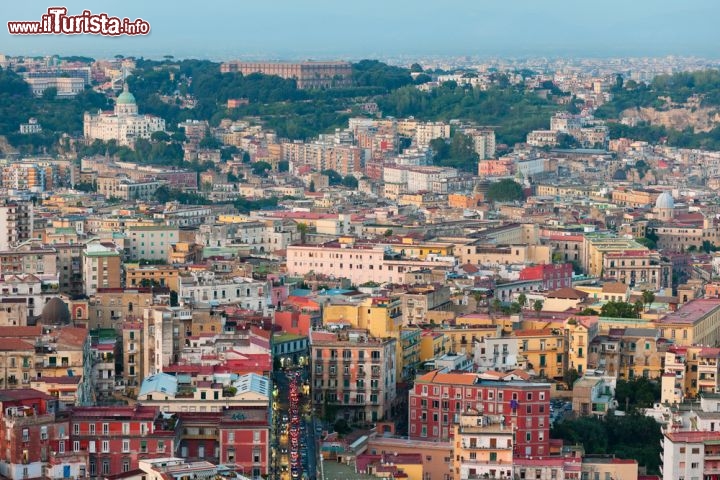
<point x="58" y="22"/>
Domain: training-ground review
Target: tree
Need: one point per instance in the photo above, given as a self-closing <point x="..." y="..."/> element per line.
<point x="637" y="393"/>
<point x="283" y="166"/>
<point x="638" y="308"/>
<point x="648" y="298"/>
<point x="311" y="187"/>
<point x="618" y="310"/>
<point x="350" y="181"/>
<point x="261" y="168"/>
<point x="174" y="299"/>
<point x="388" y="233"/>
<point x="303" y="229"/>
<point x="416" y="68"/>
<point x="50" y="93"/>
<point x="522" y="299"/>
<point x="505" y="190"/>
<point x="496" y="305"/>
<point x="538" y="306"/>
<point x="334" y="178"/>
<point x="570" y="376"/>
<point x="160" y="136"/>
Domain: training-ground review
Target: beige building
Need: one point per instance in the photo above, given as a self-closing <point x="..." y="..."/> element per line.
<point x="108" y="308"/>
<point x="102" y="266"/>
<point x="307" y="74"/>
<point x="597" y="245"/>
<point x="126" y="188"/>
<point x="31" y="355"/>
<point x="643" y="269"/>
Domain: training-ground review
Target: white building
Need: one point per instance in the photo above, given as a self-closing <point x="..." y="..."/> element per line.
<point x="425" y="132"/>
<point x="419" y="179"/>
<point x="150" y="242"/>
<point x="204" y="287"/>
<point x="16" y="223"/>
<point x="124" y="125"/>
<point x="496" y="353"/>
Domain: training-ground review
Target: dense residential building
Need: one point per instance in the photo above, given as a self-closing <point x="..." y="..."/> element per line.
<point x="353" y="373"/>
<point x="437" y="401"/>
<point x="16" y="223"/>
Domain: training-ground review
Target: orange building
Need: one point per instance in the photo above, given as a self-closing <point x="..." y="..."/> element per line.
<point x="495" y="168"/>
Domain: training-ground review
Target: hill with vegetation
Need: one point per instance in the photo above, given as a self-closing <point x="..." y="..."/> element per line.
<point x="161" y="86"/>
<point x="681" y="109"/>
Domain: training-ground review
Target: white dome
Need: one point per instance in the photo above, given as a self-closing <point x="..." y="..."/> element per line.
<point x="665" y="200"/>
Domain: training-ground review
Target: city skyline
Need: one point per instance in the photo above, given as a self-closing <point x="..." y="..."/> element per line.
<point x="323" y="29"/>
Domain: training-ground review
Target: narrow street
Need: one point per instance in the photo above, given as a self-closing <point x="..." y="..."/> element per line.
<point x="307" y="448"/>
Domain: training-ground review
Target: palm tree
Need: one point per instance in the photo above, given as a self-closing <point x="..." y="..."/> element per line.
<point x="496" y="305"/>
<point x="538" y="306"/>
<point x="303" y="229"/>
<point x="522" y="300"/>
<point x="648" y="298"/>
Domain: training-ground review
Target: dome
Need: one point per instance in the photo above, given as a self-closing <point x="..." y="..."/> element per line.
<point x="125" y="98"/>
<point x="665" y="200"/>
<point x="55" y="312"/>
<point x="620" y="174"/>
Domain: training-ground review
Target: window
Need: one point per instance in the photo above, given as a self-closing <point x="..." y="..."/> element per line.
<point x="92" y="429"/>
<point x="76" y="429"/>
<point x="256" y="455"/>
<point x="143" y="446"/>
<point x="126" y="465"/>
<point x="25" y="435"/>
<point x="125" y="446"/>
<point x="126" y="429"/>
<point x="256" y="435"/>
<point x="105" y="429"/>
<point x="106" y="467"/>
<point x="105" y="446"/>
<point x="76" y="446"/>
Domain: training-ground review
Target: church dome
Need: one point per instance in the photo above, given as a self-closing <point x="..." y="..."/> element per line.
<point x="665" y="200"/>
<point x="125" y="98"/>
<point x="55" y="312"/>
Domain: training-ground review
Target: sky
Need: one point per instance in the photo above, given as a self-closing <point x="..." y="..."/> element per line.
<point x="324" y="29"/>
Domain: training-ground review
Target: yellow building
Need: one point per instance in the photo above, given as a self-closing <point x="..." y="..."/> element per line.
<point x="382" y="318"/>
<point x="634" y="198"/>
<point x="433" y="344"/>
<point x="149" y="275"/>
<point x="409" y="248"/>
<point x="544" y="351"/>
<point x="695" y="323"/>
<point x="580" y="332"/>
<point x="483" y="447"/>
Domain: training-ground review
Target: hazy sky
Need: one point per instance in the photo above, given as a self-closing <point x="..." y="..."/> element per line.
<point x="284" y="29"/>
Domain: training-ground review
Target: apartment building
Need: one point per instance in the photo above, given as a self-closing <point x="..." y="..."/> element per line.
<point x="642" y="269"/>
<point x="353" y="374"/>
<point x="150" y="243"/>
<point x="361" y="263"/>
<point x="597" y="245"/>
<point x="101" y="266"/>
<point x="438" y="399"/>
<point x="580" y="333"/>
<point x="207" y="288"/>
<point x="628" y="353"/>
<point x="543" y="351"/>
<point x="116" y="437"/>
<point x="31" y="436"/>
<point x="691" y="454"/>
<point x="484" y="446"/>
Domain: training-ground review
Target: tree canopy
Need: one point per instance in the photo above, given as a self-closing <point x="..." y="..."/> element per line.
<point x="619" y="310"/>
<point x="505" y="190"/>
<point x="631" y="436"/>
